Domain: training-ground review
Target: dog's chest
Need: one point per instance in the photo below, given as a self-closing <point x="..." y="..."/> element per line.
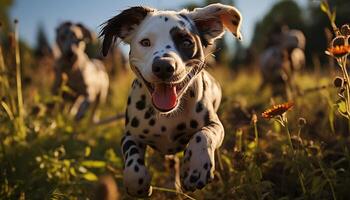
<point x="167" y="134"/>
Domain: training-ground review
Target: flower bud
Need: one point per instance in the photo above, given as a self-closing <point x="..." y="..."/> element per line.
<point x="338" y="82"/>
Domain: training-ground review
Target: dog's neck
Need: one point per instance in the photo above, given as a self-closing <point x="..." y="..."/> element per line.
<point x="74" y="62"/>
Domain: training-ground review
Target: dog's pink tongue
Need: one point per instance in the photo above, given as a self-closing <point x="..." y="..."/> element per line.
<point x="164" y="97"/>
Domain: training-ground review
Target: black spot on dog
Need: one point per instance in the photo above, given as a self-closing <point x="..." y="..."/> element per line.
<point x="133" y="151"/>
<point x="129" y="162"/>
<point x="136" y="168"/>
<point x="127" y="145"/>
<point x="163" y="128"/>
<point x="126" y="117"/>
<point x="140" y="161"/>
<point x="129" y="100"/>
<point x="142" y="137"/>
<point x="199" y="107"/>
<point x="193" y="124"/>
<point x="181" y="127"/>
<point x="166" y="19"/>
<point x="207" y="118"/>
<point x="128" y="133"/>
<point x="140" y="105"/>
<point x="178" y="135"/>
<point x="205" y="166"/>
<point x="200" y="185"/>
<point x="189" y="153"/>
<point x="141" y="145"/>
<point x="135" y="122"/>
<point x="156" y="135"/>
<point x="140" y="181"/>
<point x="168" y="47"/>
<point x="208" y="176"/>
<point x="178" y="36"/>
<point x="198" y="139"/>
<point x="234" y="22"/>
<point x="192" y="93"/>
<point x="145" y="131"/>
<point x="152" y="122"/>
<point x="185" y="174"/>
<point x="149" y="113"/>
<point x="193" y="177"/>
<point x="183" y="141"/>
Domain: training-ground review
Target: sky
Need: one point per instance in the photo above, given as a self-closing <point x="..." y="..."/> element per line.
<point x="49" y="14"/>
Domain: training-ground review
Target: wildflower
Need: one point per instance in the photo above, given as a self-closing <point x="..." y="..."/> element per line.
<point x="339" y="47"/>
<point x="301" y="122"/>
<point x="277" y="110"/>
<point x="345" y="30"/>
<point x="338" y="82"/>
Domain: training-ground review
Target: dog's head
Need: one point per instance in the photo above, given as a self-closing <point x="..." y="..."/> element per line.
<point x="72" y="38"/>
<point x="166" y="47"/>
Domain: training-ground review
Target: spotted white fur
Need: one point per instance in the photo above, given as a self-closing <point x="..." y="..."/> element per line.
<point x="177" y="40"/>
<point x="87" y="78"/>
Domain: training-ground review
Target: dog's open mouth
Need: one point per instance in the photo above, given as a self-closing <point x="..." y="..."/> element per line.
<point x="166" y="96"/>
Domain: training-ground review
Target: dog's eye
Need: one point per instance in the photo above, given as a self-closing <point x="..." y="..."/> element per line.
<point x="187" y="43"/>
<point x="145" y="42"/>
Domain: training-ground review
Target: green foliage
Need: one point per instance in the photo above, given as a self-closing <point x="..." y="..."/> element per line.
<point x="58" y="158"/>
<point x="282" y="13"/>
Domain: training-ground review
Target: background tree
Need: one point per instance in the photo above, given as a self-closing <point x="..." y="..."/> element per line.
<point x="318" y="26"/>
<point x="42" y="47"/>
<point x="282" y="13"/>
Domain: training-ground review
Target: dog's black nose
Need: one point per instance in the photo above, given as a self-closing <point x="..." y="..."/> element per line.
<point x="163" y="68"/>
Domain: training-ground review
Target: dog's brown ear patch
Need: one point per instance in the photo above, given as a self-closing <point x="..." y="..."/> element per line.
<point x="212" y="20"/>
<point x="122" y="26"/>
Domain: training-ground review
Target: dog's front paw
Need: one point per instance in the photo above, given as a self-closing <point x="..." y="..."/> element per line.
<point x="197" y="168"/>
<point x="137" y="180"/>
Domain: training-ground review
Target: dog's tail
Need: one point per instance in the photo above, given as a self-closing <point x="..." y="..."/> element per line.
<point x="111" y="119"/>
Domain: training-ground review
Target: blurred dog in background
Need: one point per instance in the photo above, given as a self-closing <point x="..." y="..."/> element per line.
<point x="279" y="61"/>
<point x="86" y="78"/>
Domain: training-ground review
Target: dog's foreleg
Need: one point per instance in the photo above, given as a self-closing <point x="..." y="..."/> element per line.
<point x="137" y="180"/>
<point x="198" y="163"/>
<point x="80" y="107"/>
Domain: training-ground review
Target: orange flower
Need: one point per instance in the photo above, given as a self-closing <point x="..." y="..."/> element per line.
<point x="339" y="47"/>
<point x="277" y="110"/>
<point x="338" y="51"/>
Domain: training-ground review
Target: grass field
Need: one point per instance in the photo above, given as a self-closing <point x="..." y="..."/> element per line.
<point x="301" y="154"/>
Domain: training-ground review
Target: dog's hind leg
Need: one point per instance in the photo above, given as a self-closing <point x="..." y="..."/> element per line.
<point x="137" y="180"/>
<point x="80" y="107"/>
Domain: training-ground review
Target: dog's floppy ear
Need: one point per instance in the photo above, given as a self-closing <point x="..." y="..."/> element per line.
<point x="212" y="20"/>
<point x="86" y="32"/>
<point x="122" y="26"/>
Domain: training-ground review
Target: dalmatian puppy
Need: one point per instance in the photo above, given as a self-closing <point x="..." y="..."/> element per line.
<point x="87" y="78"/>
<point x="280" y="61"/>
<point x="173" y="100"/>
